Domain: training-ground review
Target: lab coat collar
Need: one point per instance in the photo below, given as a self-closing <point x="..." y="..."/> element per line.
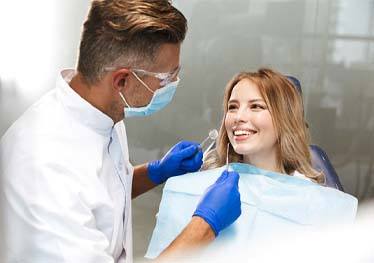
<point x="81" y="109"/>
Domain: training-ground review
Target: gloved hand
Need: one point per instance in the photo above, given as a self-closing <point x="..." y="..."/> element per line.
<point x="184" y="157"/>
<point x="220" y="206"/>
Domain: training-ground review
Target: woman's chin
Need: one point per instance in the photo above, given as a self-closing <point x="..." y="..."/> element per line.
<point x="242" y="150"/>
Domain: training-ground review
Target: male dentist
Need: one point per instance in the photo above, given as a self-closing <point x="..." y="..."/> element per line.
<point x="68" y="182"/>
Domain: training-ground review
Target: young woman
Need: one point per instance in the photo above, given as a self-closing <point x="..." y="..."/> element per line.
<point x="264" y="135"/>
<point x="263" y="125"/>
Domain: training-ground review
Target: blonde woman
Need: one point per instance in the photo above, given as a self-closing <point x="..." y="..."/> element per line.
<point x="264" y="135"/>
<point x="263" y="125"/>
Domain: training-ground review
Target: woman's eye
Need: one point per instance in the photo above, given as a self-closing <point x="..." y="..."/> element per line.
<point x="232" y="107"/>
<point x="258" y="106"/>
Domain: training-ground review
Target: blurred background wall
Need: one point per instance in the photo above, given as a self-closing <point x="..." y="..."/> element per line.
<point x="327" y="44"/>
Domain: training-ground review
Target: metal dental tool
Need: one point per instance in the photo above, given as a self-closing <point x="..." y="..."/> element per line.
<point x="227" y="157"/>
<point x="213" y="134"/>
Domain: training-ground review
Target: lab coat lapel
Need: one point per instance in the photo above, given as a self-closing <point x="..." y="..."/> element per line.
<point x="127" y="178"/>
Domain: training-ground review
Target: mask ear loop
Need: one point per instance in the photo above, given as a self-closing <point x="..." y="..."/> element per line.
<point x="142" y="82"/>
<point x="124" y="100"/>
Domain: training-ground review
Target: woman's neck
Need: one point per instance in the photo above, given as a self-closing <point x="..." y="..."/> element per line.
<point x="266" y="161"/>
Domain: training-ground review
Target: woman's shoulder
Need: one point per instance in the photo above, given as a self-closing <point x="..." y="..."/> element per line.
<point x="300" y="175"/>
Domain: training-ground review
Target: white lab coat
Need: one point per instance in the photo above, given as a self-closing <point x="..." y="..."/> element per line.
<point x="67" y="183"/>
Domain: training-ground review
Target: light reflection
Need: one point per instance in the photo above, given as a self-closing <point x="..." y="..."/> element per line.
<point x="28" y="45"/>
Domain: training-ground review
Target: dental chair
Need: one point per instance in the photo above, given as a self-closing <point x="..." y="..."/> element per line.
<point x="320" y="160"/>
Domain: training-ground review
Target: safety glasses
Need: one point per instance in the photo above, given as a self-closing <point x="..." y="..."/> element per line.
<point x="164" y="77"/>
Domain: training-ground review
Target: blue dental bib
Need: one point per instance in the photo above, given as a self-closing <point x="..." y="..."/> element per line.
<point x="272" y="204"/>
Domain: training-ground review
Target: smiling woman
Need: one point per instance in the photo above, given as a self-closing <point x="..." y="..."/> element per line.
<point x="250" y="127"/>
<point x="264" y="138"/>
<point x="265" y="126"/>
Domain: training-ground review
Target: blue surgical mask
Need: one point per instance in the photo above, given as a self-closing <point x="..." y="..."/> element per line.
<point x="161" y="98"/>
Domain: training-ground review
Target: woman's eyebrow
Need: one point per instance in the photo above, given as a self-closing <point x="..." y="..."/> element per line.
<point x="250" y="101"/>
<point x="255" y="100"/>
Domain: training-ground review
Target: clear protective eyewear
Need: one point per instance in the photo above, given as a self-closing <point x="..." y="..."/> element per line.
<point x="164" y="77"/>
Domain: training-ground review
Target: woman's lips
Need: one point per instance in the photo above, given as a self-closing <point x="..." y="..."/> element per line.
<point x="239" y="137"/>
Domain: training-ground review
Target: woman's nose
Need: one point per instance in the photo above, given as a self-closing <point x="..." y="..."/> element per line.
<point x="240" y="116"/>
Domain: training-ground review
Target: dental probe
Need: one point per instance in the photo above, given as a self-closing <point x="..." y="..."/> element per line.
<point x="213" y="134"/>
<point x="227" y="157"/>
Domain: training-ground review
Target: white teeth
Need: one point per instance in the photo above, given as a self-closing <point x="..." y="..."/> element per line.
<point x="242" y="132"/>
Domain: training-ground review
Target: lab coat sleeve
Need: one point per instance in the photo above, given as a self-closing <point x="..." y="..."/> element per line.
<point x="51" y="217"/>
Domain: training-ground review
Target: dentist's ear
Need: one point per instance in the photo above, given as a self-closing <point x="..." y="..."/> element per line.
<point x="120" y="78"/>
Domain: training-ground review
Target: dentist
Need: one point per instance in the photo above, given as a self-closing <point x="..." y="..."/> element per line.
<point x="68" y="182"/>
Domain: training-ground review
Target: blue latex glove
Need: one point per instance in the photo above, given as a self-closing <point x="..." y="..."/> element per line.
<point x="184" y="157"/>
<point x="220" y="206"/>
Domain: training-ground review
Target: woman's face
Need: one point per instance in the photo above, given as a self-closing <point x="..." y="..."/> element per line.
<point x="249" y="124"/>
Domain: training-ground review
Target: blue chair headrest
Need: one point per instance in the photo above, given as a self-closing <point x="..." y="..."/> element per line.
<point x="320" y="160"/>
<point x="296" y="83"/>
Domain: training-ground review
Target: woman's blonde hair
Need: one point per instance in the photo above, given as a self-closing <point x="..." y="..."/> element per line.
<point x="286" y="108"/>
